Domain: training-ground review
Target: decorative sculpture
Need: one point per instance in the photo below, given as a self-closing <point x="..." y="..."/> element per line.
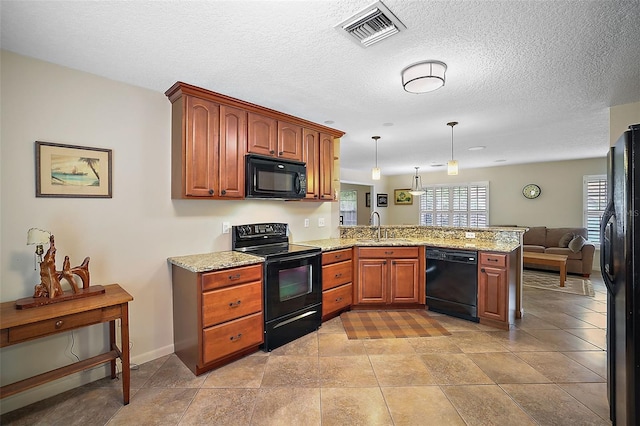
<point x="50" y="290"/>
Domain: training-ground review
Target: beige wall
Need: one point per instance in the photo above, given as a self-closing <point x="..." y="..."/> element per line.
<point x="559" y="205"/>
<point x="620" y="118"/>
<point x="128" y="237"/>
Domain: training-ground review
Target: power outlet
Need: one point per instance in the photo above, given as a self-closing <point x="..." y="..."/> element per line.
<point x="226" y="227"/>
<point x="320" y="222"/>
<point x="306" y="223"/>
<point x="469" y="234"/>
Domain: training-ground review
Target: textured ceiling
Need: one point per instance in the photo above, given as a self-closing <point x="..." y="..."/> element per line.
<point x="530" y="80"/>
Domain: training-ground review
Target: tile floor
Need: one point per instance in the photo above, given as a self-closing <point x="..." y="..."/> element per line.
<point x="549" y="370"/>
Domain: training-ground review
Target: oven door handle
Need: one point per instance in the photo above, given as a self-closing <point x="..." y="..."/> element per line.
<point x="291" y="258"/>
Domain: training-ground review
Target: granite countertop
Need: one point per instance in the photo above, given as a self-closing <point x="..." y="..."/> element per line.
<point x="213" y="261"/>
<point x="466" y="244"/>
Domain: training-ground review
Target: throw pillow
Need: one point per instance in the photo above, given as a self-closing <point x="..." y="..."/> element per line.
<point x="565" y="240"/>
<point x="576" y="244"/>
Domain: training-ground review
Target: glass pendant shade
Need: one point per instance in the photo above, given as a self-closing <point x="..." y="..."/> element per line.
<point x="375" y="173"/>
<point x="416" y="185"/>
<point x="452" y="167"/>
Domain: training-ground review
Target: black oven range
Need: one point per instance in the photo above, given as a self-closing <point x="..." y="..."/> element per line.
<point x="292" y="281"/>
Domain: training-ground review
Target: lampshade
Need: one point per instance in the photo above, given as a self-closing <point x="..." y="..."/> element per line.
<point x="452" y="166"/>
<point x="375" y="172"/>
<point x="423" y="77"/>
<point x="416" y="185"/>
<point x="37" y="236"/>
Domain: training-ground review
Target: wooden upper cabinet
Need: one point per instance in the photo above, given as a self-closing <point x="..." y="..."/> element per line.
<point x="200" y="144"/>
<point x="233" y="142"/>
<point x="326" y="186"/>
<point x="289" y="141"/>
<point x="311" y="156"/>
<point x="262" y="135"/>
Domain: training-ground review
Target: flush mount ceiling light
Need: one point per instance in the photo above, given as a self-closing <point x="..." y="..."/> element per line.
<point x="423" y="77"/>
<point x="452" y="166"/>
<point x="375" y="172"/>
<point x="416" y="185"/>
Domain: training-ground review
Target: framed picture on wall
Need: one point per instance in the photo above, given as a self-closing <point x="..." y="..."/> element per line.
<point x="367" y="199"/>
<point x="382" y="200"/>
<point x="72" y="171"/>
<point x="402" y="197"/>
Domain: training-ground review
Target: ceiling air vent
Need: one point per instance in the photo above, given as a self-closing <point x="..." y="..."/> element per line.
<point x="371" y="25"/>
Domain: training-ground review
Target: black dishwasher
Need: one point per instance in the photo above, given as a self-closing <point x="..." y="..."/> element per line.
<point x="452" y="282"/>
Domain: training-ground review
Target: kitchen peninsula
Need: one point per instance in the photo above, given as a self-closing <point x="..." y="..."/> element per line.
<point x="210" y="330"/>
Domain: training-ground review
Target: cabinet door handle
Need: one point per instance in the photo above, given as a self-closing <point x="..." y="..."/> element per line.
<point x="272" y="152"/>
<point x="492" y="260"/>
<point x="235" y="304"/>
<point x="234" y="277"/>
<point x="338" y="275"/>
<point x="339" y="299"/>
<point x="337" y="256"/>
<point x="280" y="153"/>
<point x="388" y="252"/>
<point x="211" y="192"/>
<point x="393" y="262"/>
<point x="59" y="323"/>
<point x="235" y="338"/>
<point x="482" y="270"/>
<point x="224" y="191"/>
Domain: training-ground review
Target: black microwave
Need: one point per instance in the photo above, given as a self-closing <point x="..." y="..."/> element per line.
<point x="267" y="177"/>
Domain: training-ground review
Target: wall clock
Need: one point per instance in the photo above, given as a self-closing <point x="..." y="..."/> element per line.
<point x="531" y="191"/>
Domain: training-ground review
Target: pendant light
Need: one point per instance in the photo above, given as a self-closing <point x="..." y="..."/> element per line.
<point x="375" y="172"/>
<point x="452" y="166"/>
<point x="416" y="185"/>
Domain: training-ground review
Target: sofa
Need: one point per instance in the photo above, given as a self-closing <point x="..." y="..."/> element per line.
<point x="571" y="242"/>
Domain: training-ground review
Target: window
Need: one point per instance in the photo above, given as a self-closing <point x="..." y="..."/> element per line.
<point x="464" y="205"/>
<point x="348" y="207"/>
<point x="595" y="201"/>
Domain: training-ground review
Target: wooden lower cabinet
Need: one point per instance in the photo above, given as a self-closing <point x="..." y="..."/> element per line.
<point x="337" y="288"/>
<point x="497" y="289"/>
<point x="390" y="276"/>
<point x="217" y="316"/>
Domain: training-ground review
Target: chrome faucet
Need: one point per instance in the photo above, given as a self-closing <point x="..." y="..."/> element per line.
<point x="371" y="222"/>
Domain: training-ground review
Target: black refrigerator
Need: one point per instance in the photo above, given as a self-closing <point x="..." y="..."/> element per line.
<point x="620" y="242"/>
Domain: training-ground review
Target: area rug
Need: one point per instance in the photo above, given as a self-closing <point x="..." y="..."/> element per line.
<point x="390" y="324"/>
<point x="551" y="281"/>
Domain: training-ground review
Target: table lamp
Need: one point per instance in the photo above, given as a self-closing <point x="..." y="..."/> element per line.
<point x="38" y="237"/>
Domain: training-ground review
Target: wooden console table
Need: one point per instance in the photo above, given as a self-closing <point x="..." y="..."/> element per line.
<point x="27" y="324"/>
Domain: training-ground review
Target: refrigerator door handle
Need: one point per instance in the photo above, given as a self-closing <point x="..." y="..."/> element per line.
<point x="607" y="226"/>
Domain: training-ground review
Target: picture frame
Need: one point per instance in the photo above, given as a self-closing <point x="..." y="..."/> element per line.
<point x="73" y="171"/>
<point x="383" y="200"/>
<point x="367" y="199"/>
<point x="402" y="197"/>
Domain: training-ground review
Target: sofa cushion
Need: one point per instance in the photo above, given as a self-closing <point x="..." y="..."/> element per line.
<point x="532" y="248"/>
<point x="577" y="243"/>
<point x="565" y="251"/>
<point x="566" y="239"/>
<point x="554" y="235"/>
<point x="535" y="236"/>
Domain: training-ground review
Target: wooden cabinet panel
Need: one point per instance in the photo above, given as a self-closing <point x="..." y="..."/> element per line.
<point x="311" y="157"/>
<point x="262" y="134"/>
<point x="336" y="274"/>
<point x="200" y="146"/>
<point x="404" y="276"/>
<point x="373" y="279"/>
<point x="336" y="299"/>
<point x="231" y="302"/>
<point x="233" y="336"/>
<point x="289" y="141"/>
<point x="54" y="325"/>
<point x="233" y="142"/>
<point x="336" y="256"/>
<point x="389" y="252"/>
<point x="493" y="259"/>
<point x="492" y="293"/>
<point x="326" y="185"/>
<point x="226" y="277"/>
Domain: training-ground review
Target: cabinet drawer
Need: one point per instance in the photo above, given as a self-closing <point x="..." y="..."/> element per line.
<point x="245" y="274"/>
<point x="336" y="256"/>
<point x="336" y="299"/>
<point x="231" y="303"/>
<point x="54" y="325"/>
<point x="380" y="252"/>
<point x="493" y="259"/>
<point x="336" y="274"/>
<point x="233" y="336"/>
